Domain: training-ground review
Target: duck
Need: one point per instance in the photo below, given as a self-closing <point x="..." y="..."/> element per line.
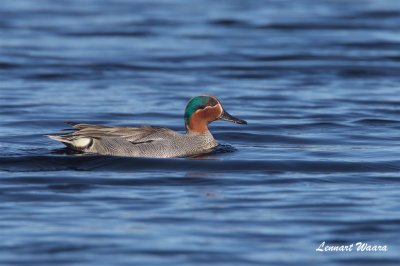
<point x="152" y="141"/>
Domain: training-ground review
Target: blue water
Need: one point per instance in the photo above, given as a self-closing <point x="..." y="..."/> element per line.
<point x="317" y="81"/>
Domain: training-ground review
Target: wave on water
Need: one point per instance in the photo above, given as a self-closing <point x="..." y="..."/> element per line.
<point x="125" y="164"/>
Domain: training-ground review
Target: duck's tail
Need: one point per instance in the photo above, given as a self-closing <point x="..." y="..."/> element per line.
<point x="76" y="143"/>
<point x="60" y="138"/>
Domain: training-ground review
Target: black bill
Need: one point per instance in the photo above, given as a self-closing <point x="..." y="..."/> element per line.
<point x="227" y="117"/>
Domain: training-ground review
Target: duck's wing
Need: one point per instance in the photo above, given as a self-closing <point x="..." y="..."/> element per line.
<point x="84" y="135"/>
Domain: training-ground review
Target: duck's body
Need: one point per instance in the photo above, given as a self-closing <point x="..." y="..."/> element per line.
<point x="144" y="141"/>
<point x="148" y="141"/>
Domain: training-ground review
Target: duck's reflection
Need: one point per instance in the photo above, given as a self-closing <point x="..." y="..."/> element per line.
<point x="66" y="151"/>
<point x="214" y="153"/>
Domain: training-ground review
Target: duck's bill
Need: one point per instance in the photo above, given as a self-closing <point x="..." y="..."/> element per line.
<point x="227" y="117"/>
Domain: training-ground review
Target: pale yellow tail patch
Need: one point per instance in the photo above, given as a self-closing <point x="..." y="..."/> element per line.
<point x="81" y="142"/>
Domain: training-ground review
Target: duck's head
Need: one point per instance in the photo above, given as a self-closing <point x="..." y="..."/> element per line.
<point x="202" y="110"/>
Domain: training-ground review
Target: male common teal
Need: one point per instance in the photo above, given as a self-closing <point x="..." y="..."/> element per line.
<point x="149" y="141"/>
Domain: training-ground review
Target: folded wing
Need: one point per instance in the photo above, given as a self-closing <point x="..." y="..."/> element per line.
<point x="86" y="136"/>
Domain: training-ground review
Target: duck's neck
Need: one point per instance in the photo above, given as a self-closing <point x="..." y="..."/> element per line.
<point x="197" y="125"/>
<point x="197" y="129"/>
